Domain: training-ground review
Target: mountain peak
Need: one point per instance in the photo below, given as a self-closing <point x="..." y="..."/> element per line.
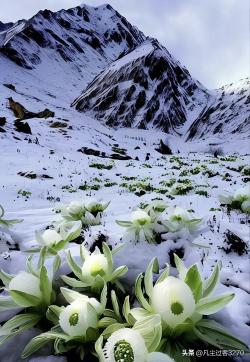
<point x="146" y="88"/>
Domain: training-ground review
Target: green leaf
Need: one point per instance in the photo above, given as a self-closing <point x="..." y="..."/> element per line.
<point x="45" y="286"/>
<point x="99" y="350"/>
<point x="153" y="267"/>
<point x="209" y="306"/>
<point x="194" y="281"/>
<point x="151" y="330"/>
<point x="139" y="294"/>
<point x="84" y="253"/>
<point x="30" y="266"/>
<point x="140" y="313"/>
<point x="72" y="282"/>
<point x="24" y="299"/>
<point x="108" y="255"/>
<point x="119" y="272"/>
<point x="164" y="274"/>
<point x="126" y="224"/>
<point x="180" y="266"/>
<point x="103" y="297"/>
<point x="7" y="303"/>
<point x="53" y="313"/>
<point x="56" y="264"/>
<point x="211" y="283"/>
<point x="38" y="342"/>
<point x="115" y="304"/>
<point x="19" y="323"/>
<point x="214" y="334"/>
<point x="70" y="230"/>
<point x="126" y="308"/>
<point x="112" y="328"/>
<point x="106" y="322"/>
<point x="5" y="277"/>
<point x="74" y="266"/>
<point x="42" y="256"/>
<point x="109" y="313"/>
<point x="117" y="249"/>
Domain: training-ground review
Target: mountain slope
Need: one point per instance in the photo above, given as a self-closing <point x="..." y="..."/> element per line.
<point x="228" y="113"/>
<point x="69" y="45"/>
<point x="146" y="88"/>
<point x="124" y="78"/>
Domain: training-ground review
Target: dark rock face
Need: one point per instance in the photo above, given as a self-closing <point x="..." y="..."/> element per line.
<point x="2" y="121"/>
<point x="22" y="127"/>
<point x="97" y="153"/>
<point x="22" y="113"/>
<point x="142" y="90"/>
<point x="164" y="149"/>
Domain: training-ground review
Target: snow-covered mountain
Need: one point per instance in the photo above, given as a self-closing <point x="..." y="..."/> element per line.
<point x="94" y="59"/>
<point x="146" y="88"/>
<point x="66" y="49"/>
<point x="227" y="113"/>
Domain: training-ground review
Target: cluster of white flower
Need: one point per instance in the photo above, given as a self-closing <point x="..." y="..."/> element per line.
<point x="149" y="223"/>
<point x="90" y="311"/>
<point x="88" y="213"/>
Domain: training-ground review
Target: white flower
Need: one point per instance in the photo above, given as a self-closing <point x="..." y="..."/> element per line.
<point x="242" y="194"/>
<point x="77" y="317"/>
<point x="94" y="207"/>
<point x="125" y="345"/>
<point x="50" y="237"/>
<point x="159" y="357"/>
<point x="95" y="264"/>
<point x="90" y="219"/>
<point x="245" y="206"/>
<point x="71" y="296"/>
<point x="74" y="211"/>
<point x="173" y="300"/>
<point x="157" y="206"/>
<point x="140" y="218"/>
<point x="180" y="214"/>
<point x="26" y="283"/>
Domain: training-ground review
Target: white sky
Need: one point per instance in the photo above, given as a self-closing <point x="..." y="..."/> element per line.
<point x="209" y="37"/>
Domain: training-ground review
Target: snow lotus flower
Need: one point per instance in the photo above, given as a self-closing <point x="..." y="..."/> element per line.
<point x="173" y="300"/>
<point x="73" y="211"/>
<point x="125" y="345"/>
<point x="89" y="213"/>
<point x="95" y="207"/>
<point x="141" y="227"/>
<point x="96" y="270"/>
<point x="77" y="317"/>
<point x="239" y="200"/>
<point x="128" y="344"/>
<point x="50" y="238"/>
<point x="157" y="206"/>
<point x="140" y="218"/>
<point x="95" y="264"/>
<point x="179" y="219"/>
<point x="25" y="284"/>
<point x="55" y="240"/>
